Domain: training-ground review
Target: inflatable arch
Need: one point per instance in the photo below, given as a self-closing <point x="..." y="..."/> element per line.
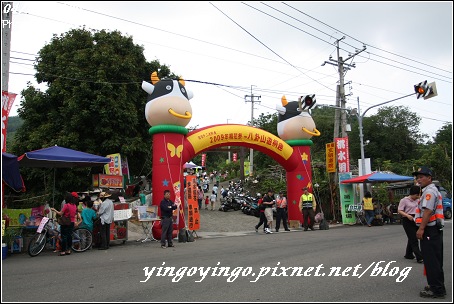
<point x="168" y="111"/>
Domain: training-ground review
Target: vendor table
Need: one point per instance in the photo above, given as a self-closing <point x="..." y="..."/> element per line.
<point x="147" y="227"/>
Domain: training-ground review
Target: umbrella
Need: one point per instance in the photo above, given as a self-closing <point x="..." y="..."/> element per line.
<point x="59" y="157"/>
<point x="191" y="165"/>
<point x="378" y="177"/>
<point x="10" y="172"/>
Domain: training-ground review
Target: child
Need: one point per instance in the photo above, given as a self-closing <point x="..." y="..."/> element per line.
<point x="207" y="201"/>
<point x="213" y="199"/>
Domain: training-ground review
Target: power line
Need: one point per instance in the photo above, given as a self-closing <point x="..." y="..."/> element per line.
<point x="363" y="42"/>
<point x="270" y="48"/>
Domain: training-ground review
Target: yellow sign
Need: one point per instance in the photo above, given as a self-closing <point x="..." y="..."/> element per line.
<point x="224" y="134"/>
<point x="330" y="158"/>
<point x="114" y="167"/>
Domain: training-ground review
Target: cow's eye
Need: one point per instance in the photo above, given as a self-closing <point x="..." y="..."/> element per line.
<point x="183" y="90"/>
<point x="168" y="87"/>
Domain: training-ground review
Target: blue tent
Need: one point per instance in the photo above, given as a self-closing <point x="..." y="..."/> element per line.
<point x="10" y="172"/>
<point x="59" y="157"/>
<point x="378" y="177"/>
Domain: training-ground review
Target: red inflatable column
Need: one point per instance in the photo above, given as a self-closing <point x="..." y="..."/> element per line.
<point x="167" y="171"/>
<point x="298" y="178"/>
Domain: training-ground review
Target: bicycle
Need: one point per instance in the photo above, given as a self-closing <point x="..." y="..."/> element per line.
<point x="49" y="234"/>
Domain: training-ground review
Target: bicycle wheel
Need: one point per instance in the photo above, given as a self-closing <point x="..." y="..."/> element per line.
<point x="37" y="243"/>
<point x="82" y="240"/>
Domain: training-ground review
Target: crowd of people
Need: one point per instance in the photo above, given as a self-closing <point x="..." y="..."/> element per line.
<point x="421" y="212"/>
<point x="83" y="212"/>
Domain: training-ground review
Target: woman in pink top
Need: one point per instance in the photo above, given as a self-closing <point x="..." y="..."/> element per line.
<point x="406" y="209"/>
<point x="69" y="209"/>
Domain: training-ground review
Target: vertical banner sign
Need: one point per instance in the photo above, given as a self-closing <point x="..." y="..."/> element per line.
<point x="176" y="213"/>
<point x="347" y="198"/>
<point x="343" y="160"/>
<point x="7" y="104"/>
<point x="204" y="158"/>
<point x="193" y="205"/>
<point x="114" y="167"/>
<point x="235" y="157"/>
<point x="330" y="158"/>
<point x="125" y="167"/>
<point x="246" y="168"/>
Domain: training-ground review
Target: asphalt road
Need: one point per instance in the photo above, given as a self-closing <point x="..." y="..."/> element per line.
<point x="361" y="255"/>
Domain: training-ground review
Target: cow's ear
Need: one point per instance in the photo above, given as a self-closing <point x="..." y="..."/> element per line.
<point x="190" y="94"/>
<point x="147" y="87"/>
<point x="281" y="110"/>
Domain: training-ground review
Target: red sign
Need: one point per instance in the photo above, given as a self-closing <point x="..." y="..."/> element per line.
<point x="204" y="157"/>
<point x="193" y="205"/>
<point x="343" y="160"/>
<point x="107" y="181"/>
<point x="7" y="104"/>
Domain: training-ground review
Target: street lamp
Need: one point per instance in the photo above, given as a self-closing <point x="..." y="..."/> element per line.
<point x="360" y="124"/>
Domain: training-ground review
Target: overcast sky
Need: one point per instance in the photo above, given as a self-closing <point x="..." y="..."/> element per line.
<point x="268" y="49"/>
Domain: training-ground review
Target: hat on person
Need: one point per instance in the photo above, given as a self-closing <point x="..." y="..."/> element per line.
<point x="74" y="194"/>
<point x="305" y="188"/>
<point x="423" y="170"/>
<point x="104" y="195"/>
<point x="281" y="192"/>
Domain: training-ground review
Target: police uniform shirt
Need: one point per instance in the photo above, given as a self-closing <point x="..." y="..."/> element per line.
<point x="429" y="199"/>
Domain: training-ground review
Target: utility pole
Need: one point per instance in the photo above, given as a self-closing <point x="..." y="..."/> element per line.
<point x="7" y="17"/>
<point x="340" y="95"/>
<point x="340" y="103"/>
<point x="251" y="151"/>
<point x="229" y="146"/>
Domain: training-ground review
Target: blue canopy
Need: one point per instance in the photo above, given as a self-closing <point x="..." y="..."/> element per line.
<point x="59" y="157"/>
<point x="10" y="172"/>
<point x="378" y="177"/>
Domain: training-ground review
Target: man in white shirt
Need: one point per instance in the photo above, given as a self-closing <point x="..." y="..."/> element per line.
<point x="106" y="214"/>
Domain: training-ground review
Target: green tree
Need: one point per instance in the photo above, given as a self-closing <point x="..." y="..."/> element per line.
<point x="438" y="156"/>
<point x="266" y="122"/>
<point x="93" y="101"/>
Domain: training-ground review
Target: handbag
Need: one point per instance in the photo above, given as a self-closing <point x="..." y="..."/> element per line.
<point x="64" y="220"/>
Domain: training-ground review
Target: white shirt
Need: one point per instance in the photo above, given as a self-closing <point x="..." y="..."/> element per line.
<point x="106" y="211"/>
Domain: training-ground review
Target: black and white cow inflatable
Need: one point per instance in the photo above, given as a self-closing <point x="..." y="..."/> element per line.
<point x="167" y="102"/>
<point x="293" y="123"/>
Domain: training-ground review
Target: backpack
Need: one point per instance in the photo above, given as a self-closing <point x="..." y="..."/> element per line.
<point x="324" y="225"/>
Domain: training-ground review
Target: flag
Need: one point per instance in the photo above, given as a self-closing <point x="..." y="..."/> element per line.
<point x="7" y="104"/>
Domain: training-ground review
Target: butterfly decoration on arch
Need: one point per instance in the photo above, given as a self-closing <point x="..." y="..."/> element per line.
<point x="175" y="150"/>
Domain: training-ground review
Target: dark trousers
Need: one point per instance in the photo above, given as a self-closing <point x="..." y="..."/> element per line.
<point x="105" y="235"/>
<point x="167" y="231"/>
<point x="262" y="221"/>
<point x="432" y="253"/>
<point x="412" y="243"/>
<point x="281" y="213"/>
<point x="308" y="214"/>
<point x="66" y="236"/>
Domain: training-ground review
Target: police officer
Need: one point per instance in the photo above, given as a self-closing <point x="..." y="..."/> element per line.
<point x="428" y="213"/>
<point x="307" y="206"/>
